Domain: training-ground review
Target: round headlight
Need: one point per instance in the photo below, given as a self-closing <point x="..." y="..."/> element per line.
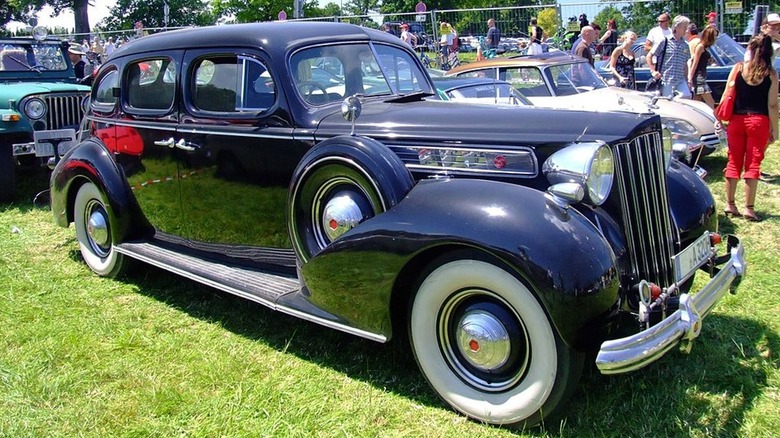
<point x="589" y="164"/>
<point x="35" y="109"/>
<point x="601" y="175"/>
<point x="679" y="126"/>
<point x="40" y="33"/>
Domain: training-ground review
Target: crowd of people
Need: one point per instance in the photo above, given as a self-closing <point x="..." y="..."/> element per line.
<point x="678" y="56"/>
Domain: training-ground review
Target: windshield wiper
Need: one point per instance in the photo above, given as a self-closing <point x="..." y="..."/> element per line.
<point x="410" y="97"/>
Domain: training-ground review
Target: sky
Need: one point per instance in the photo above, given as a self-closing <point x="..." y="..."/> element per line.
<point x="65" y="19"/>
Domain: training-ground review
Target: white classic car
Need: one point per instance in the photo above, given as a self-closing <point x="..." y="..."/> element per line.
<point x="558" y="79"/>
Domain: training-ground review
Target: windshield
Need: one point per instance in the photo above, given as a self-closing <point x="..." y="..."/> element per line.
<point x="27" y="56"/>
<point x="330" y="73"/>
<point x="574" y="78"/>
<point x="728" y="50"/>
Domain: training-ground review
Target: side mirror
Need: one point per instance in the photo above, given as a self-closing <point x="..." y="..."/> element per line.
<point x="350" y="109"/>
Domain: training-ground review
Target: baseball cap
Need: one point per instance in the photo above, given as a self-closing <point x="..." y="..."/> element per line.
<point x="773" y="19"/>
<point x="711" y="14"/>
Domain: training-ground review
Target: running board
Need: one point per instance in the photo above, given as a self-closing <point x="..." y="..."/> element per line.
<point x="257" y="286"/>
<point x="278" y="292"/>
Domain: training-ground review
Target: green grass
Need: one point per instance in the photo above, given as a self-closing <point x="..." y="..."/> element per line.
<point x="155" y="355"/>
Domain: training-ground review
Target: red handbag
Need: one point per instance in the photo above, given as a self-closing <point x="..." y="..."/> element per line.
<point x="725" y="108"/>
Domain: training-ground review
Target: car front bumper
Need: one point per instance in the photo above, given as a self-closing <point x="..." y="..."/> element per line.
<point x="681" y="327"/>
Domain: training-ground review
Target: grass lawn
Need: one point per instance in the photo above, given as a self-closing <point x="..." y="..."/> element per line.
<point x="153" y="355"/>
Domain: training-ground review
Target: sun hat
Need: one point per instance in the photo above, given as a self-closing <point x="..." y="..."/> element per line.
<point x="75" y="50"/>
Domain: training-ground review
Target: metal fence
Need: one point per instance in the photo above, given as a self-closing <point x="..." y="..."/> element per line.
<point x="636" y="15"/>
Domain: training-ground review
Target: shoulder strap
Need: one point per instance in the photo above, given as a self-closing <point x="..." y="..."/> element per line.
<point x="665" y="43"/>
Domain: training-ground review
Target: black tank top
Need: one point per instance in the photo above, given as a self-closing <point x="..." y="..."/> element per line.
<point x="752" y="99"/>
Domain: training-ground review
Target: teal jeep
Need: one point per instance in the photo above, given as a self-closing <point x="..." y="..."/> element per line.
<point x="41" y="104"/>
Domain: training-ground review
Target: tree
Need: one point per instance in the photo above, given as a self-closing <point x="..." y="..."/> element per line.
<point x="150" y="12"/>
<point x="15" y="10"/>
<point x="249" y="11"/>
<point x="18" y="10"/>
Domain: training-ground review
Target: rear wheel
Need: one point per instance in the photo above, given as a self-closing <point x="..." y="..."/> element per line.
<point x="93" y="222"/>
<point x="487" y="347"/>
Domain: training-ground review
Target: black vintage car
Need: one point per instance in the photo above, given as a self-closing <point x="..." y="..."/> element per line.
<point x="303" y="166"/>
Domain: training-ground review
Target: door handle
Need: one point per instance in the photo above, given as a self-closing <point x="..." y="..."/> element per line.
<point x="186" y="146"/>
<point x="167" y="143"/>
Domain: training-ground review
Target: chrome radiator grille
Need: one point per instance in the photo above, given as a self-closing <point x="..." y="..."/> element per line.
<point x="641" y="178"/>
<point x="63" y="110"/>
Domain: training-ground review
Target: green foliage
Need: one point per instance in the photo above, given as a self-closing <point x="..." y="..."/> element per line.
<point x="548" y="19"/>
<point x="150" y="13"/>
<point x="611" y="13"/>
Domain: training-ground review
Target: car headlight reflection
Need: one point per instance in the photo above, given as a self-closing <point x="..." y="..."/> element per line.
<point x="668" y="142"/>
<point x="589" y="164"/>
<point x="34" y="109"/>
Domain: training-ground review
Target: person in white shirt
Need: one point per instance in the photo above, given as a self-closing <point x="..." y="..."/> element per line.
<point x="658" y="33"/>
<point x="109" y="47"/>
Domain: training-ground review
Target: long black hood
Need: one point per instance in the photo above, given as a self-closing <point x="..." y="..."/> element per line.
<point x="431" y="120"/>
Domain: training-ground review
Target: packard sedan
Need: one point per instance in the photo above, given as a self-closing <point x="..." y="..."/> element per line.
<point x="304" y="166"/>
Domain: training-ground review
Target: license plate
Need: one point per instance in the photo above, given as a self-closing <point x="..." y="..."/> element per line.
<point x="47" y="141"/>
<point x="689" y="259"/>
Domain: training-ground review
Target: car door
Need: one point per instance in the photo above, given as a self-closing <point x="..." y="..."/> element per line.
<point x="238" y="137"/>
<point x="143" y="137"/>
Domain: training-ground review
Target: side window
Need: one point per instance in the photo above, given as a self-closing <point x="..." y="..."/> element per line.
<point x="232" y="84"/>
<point x="527" y="80"/>
<point x="319" y="77"/>
<point x="104" y="92"/>
<point x="484" y="73"/>
<point x="151" y="84"/>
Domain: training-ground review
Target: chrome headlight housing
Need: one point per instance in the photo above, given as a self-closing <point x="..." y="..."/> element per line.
<point x="34" y="108"/>
<point x="589" y="165"/>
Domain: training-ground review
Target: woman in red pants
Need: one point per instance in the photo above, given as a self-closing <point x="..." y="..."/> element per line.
<point x="753" y="126"/>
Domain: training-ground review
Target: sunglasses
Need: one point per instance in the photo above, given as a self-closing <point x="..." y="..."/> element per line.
<point x="662" y="21"/>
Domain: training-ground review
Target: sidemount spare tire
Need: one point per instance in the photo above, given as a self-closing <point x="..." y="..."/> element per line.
<point x="338" y="184"/>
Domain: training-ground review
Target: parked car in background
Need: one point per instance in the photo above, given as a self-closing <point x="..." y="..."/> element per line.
<point x="505" y="243"/>
<point x="39" y="99"/>
<point x="558" y="79"/>
<point x="478" y="90"/>
<point x="724" y="54"/>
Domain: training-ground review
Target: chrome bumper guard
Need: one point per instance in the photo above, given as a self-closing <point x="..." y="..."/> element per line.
<point x="682" y="327"/>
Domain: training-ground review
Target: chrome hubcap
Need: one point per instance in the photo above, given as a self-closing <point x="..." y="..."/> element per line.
<point x="483" y="340"/>
<point x="341" y="214"/>
<point x="97" y="228"/>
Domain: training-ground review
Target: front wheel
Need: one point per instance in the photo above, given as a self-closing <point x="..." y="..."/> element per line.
<point x="486" y="346"/>
<point x="93" y="221"/>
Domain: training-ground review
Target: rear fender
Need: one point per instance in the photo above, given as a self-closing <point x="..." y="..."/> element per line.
<point x="91" y="161"/>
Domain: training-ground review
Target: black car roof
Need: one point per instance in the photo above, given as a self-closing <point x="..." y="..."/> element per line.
<point x="272" y="36"/>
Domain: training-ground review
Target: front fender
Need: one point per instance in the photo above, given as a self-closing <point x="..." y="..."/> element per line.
<point x="691" y="202"/>
<point x="556" y="251"/>
<point x="91" y="161"/>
